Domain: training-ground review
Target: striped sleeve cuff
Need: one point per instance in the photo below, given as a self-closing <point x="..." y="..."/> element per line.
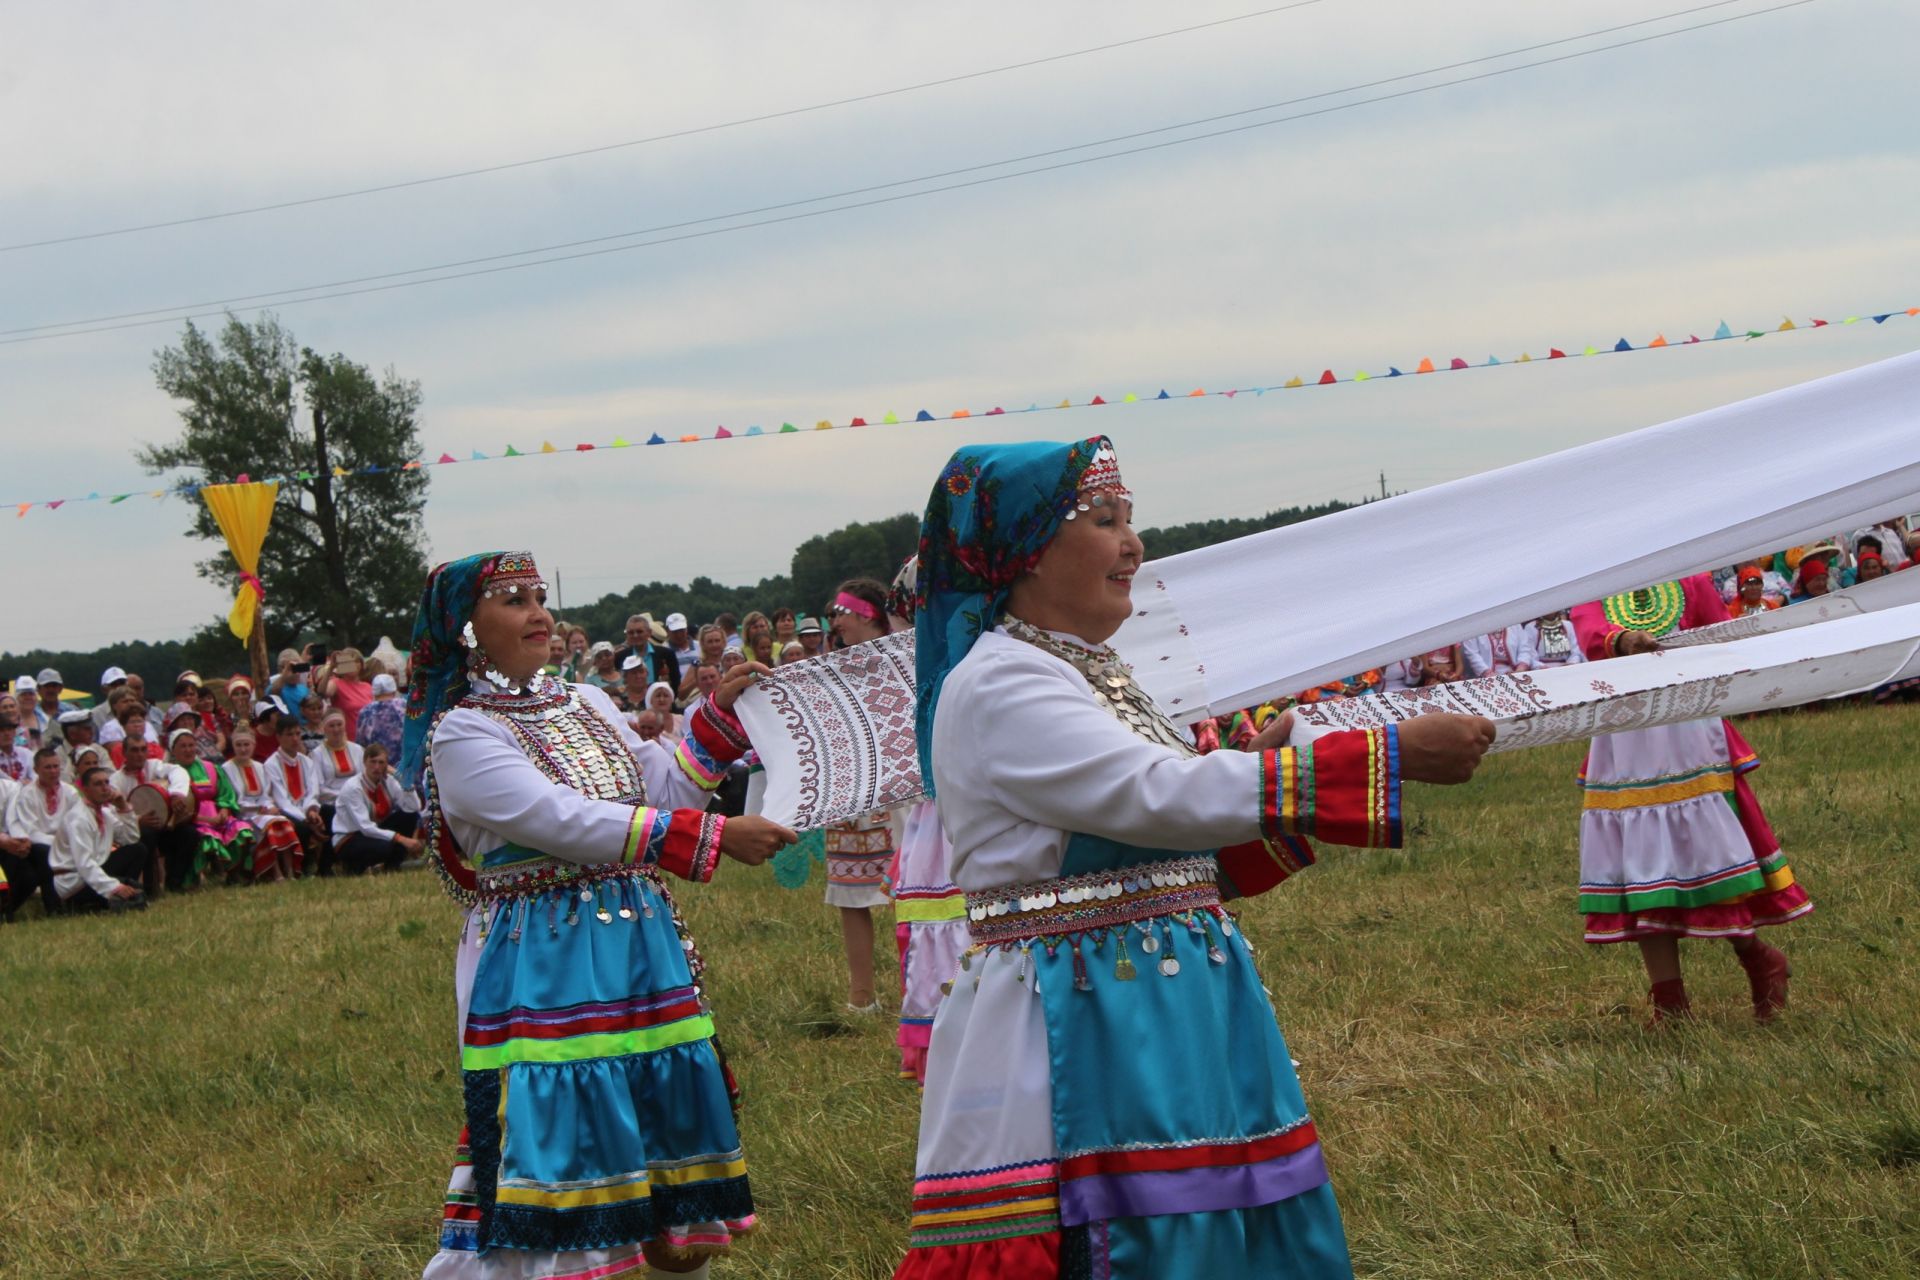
<point x="714" y="740"/>
<point x="1344" y="788"/>
<point x="690" y="848"/>
<point x="1259" y="865"/>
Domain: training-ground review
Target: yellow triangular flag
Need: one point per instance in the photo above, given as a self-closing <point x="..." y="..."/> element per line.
<point x="1525" y="358"/>
<point x="619" y="442"/>
<point x="823" y="425"/>
<point x="1293" y="382"/>
<point x="1128" y="398"/>
<point x="1361" y="376"/>
<point x="339" y="472"/>
<point x="1587" y="352"/>
<point x="1786" y="323"/>
<point x="1066" y="404"/>
<point x="890" y="419"/>
<point x="546" y="446"/>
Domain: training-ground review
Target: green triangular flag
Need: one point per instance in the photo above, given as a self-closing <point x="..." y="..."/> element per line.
<point x="512" y="452"/>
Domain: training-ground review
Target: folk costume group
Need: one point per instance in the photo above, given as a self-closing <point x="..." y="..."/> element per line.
<point x="1079" y="1117"/>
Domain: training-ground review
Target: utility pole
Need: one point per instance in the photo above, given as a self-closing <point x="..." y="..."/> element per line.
<point x="559" y="592"/>
<point x="1383" y="484"/>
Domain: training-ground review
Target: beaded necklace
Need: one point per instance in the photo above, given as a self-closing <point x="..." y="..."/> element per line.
<point x="1113" y="685"/>
<point x="1655" y="610"/>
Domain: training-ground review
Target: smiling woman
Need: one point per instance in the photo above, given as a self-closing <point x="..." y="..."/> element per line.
<point x="1083" y="1114"/>
<point x="600" y="1131"/>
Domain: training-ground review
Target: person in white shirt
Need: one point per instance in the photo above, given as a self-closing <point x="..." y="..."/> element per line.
<point x="32" y="814"/>
<point x="170" y="837"/>
<point x="98" y="857"/>
<point x="15" y="863"/>
<point x="1554" y="643"/>
<point x="76" y="733"/>
<point x="293" y="782"/>
<point x="16" y="761"/>
<point x="277" y="853"/>
<point x="338" y="760"/>
<point x="375" y="819"/>
<point x="1501" y="653"/>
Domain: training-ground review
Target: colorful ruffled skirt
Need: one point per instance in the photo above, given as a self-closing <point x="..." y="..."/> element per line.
<point x="858" y="855"/>
<point x="1673" y="842"/>
<point x="599" y="1112"/>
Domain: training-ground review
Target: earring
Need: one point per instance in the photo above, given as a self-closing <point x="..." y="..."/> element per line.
<point x="478" y="664"/>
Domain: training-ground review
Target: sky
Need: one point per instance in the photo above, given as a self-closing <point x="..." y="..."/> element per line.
<point x="1755" y="170"/>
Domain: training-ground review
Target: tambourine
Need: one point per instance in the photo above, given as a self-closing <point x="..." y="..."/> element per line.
<point x="150" y="803"/>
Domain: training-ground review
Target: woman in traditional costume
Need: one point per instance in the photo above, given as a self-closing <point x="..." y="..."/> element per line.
<point x="222" y="840"/>
<point x="860" y="850"/>
<point x="600" y="1131"/>
<point x="276" y="846"/>
<point x="1107" y="1091"/>
<point x="1672" y="840"/>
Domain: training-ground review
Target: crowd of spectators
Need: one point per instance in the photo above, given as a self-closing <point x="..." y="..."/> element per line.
<point x="115" y="804"/>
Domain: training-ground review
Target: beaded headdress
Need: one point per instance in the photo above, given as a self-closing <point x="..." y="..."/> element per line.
<point x="1101" y="484"/>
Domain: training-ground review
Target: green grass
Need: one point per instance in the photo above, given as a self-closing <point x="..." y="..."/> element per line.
<point x="260" y="1083"/>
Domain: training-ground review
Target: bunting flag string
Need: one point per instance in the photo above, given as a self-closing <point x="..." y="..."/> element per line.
<point x="1326" y="378"/>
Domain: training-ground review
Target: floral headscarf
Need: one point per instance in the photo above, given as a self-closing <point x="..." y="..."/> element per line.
<point x="993" y="511"/>
<point x="439" y="659"/>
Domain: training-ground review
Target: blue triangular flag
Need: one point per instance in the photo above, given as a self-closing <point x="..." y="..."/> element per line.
<point x="1163" y="395"/>
<point x="655" y="438"/>
<point x="1393" y="372"/>
<point x="1882" y="319"/>
<point x="1722" y="331"/>
<point x="1623" y="345"/>
<point x="1493" y="359"/>
<point x="479" y="456"/>
<point x="755" y="431"/>
<point x="923" y="416"/>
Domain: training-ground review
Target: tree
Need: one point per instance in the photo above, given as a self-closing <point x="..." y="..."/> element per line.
<point x="864" y="549"/>
<point x="343" y="557"/>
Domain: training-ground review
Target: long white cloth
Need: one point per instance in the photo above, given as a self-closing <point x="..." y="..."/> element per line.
<point x="1778" y="669"/>
<point x="1865" y="597"/>
<point x="1228" y="626"/>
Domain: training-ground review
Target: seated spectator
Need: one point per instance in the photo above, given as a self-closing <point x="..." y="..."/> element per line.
<point x="793" y="651"/>
<point x="660" y="702"/>
<point x="647" y="725"/>
<point x="632" y="695"/>
<point x="76" y="733"/>
<point x="1442" y="666"/>
<point x="312" y="712"/>
<point x="16" y="762"/>
<point x="221" y="843"/>
<point x="729" y="629"/>
<point x="27" y="703"/>
<point x="756" y="632"/>
<point x="1871" y="566"/>
<point x="15" y="853"/>
<point x="1751" y="597"/>
<point x="132" y="719"/>
<point x="276" y="849"/>
<point x="1883" y="540"/>
<point x="112" y="680"/>
<point x="713" y="643"/>
<point x="216" y="726"/>
<point x="705" y="678"/>
<point x="679" y="643"/>
<point x="1554" y="644"/>
<point x="575" y="666"/>
<point x="1501" y="653"/>
<point x="342" y="682"/>
<point x="730" y="658"/>
<point x="338" y="762"/>
<point x="293" y="689"/>
<point x="1395" y="677"/>
<point x="1811" y="579"/>
<point x="811" y="635"/>
<point x="376" y="819"/>
<point x="169" y="835"/>
<point x="48" y="687"/>
<point x="32" y="816"/>
<point x="293" y="780"/>
<point x="384" y="720"/>
<point x="603" y="672"/>
<point x="110" y="731"/>
<point x="98" y="858"/>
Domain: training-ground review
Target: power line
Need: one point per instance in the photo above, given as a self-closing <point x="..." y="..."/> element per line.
<point x="36" y="333"/>
<point x="351" y="282"/>
<point x="658" y="137"/>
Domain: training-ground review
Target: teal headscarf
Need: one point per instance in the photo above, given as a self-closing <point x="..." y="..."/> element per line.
<point x="992" y="513"/>
<point x="439" y="660"/>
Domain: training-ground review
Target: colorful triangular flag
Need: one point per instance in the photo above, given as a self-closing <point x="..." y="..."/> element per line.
<point x="513" y="452"/>
<point x="1326" y="377"/>
<point x="1457" y="363"/>
<point x="1722" y="331"/>
<point x="1293" y="382"/>
<point x="721" y="433"/>
<point x="1623" y="345"/>
<point x="1163" y="395"/>
<point x="546" y="446"/>
<point x="656" y="438"/>
<point x="446" y="458"/>
<point x="1425" y="365"/>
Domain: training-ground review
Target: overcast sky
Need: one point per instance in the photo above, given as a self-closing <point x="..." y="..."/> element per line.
<point x="1761" y="168"/>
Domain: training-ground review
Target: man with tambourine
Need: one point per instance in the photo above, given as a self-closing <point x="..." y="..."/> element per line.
<point x="159" y="797"/>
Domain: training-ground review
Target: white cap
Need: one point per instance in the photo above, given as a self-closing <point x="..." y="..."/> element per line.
<point x="49" y="676"/>
<point x="633" y="662"/>
<point x="111" y="675"/>
<point x="75" y="716"/>
<point x="384" y="683"/>
<point x="25" y="684"/>
<point x="676" y="622"/>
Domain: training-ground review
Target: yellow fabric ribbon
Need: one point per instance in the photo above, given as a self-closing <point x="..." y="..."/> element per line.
<point x="243" y="512"/>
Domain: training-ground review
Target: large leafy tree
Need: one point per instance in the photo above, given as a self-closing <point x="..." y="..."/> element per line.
<point x="344" y="557"/>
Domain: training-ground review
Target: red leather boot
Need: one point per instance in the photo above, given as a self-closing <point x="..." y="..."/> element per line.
<point x="1767" y="974"/>
<point x="1670" y="1002"/>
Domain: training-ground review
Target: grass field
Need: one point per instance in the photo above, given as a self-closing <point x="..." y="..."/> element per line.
<point x="260" y="1083"/>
